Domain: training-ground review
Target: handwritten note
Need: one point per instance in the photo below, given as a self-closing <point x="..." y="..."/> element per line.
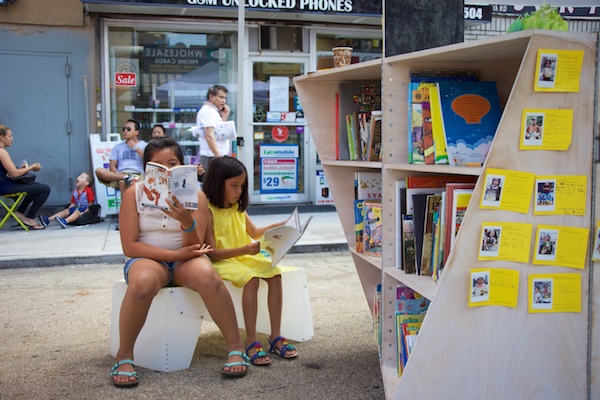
<point x="511" y="241"/>
<point x="552" y="293"/>
<point x="568" y="195"/>
<point x="494" y="287"/>
<point x="513" y="193"/>
<point x="546" y="129"/>
<point x="563" y="246"/>
<point x="558" y="70"/>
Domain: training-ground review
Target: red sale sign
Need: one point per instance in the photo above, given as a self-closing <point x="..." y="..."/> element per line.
<point x="125" y="79"/>
<point x="280" y="133"/>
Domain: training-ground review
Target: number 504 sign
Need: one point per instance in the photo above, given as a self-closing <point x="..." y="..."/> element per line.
<point x="278" y="175"/>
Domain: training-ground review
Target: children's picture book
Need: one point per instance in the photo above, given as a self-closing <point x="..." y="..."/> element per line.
<point x="359" y="224"/>
<point x="367" y="185"/>
<point x="373" y="228"/>
<point x="374" y="144"/>
<point x="460" y="201"/>
<point x="276" y="242"/>
<point x="161" y="183"/>
<point x="471" y="113"/>
<point x="448" y="232"/>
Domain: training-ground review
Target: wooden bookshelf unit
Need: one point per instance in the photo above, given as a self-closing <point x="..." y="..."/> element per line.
<point x="489" y="352"/>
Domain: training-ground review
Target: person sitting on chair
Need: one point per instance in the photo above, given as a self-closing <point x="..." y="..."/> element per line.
<point x="125" y="160"/>
<point x="37" y="193"/>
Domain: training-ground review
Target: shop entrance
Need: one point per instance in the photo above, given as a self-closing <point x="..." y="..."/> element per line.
<point x="280" y="141"/>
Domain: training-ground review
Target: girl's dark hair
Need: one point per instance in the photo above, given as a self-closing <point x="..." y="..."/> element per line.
<point x="213" y="183"/>
<point x="160" y="143"/>
<point x="4" y="130"/>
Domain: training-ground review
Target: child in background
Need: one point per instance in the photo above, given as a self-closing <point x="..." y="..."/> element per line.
<point x="81" y="199"/>
<point x="237" y="257"/>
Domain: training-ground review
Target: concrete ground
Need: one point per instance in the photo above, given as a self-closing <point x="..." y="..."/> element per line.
<point x="55" y="341"/>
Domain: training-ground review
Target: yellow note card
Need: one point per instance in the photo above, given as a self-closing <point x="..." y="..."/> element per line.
<point x="545" y="129"/>
<point x="561" y="246"/>
<point x="549" y="293"/>
<point x="560" y="194"/>
<point x="509" y="241"/>
<point x="507" y="190"/>
<point x="558" y="70"/>
<point x="494" y="287"/>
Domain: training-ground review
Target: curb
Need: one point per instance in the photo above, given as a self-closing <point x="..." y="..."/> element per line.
<point x="119" y="259"/>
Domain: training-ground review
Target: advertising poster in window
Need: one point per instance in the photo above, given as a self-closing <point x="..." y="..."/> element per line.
<point x="279" y="168"/>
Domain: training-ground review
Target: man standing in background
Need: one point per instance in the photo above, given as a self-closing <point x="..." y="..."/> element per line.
<point x="214" y="111"/>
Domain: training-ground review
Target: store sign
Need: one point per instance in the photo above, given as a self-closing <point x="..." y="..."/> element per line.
<point x="280" y="133"/>
<point x="563" y="11"/>
<point x="125" y="79"/>
<point x="354" y="7"/>
<point x="477" y="13"/>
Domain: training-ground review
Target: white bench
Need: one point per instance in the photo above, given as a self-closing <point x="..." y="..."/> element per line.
<point x="168" y="339"/>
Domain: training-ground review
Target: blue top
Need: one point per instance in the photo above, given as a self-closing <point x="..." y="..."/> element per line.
<point x="6" y="184"/>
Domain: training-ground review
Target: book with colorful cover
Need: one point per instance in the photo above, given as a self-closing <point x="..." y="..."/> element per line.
<point x="428" y="147"/>
<point x="471" y="113"/>
<point x="400" y="212"/>
<point x="437" y="126"/>
<point x="437" y="181"/>
<point x="359" y="225"/>
<point x="162" y="183"/>
<point x="460" y="201"/>
<point x="408" y="245"/>
<point x="401" y="343"/>
<point x="374" y="145"/>
<point x="448" y="232"/>
<point x="416" y="154"/>
<point x="367" y="185"/>
<point x="352" y="136"/>
<point x="373" y="228"/>
<point x="432" y="204"/>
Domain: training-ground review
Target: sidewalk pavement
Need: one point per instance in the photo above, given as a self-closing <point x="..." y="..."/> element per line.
<point x="101" y="243"/>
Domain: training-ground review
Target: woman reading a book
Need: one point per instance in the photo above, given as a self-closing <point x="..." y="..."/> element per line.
<point x="166" y="247"/>
<point x="238" y="258"/>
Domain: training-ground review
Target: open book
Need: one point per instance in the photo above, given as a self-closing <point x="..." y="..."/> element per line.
<point x="276" y="242"/>
<point x="160" y="183"/>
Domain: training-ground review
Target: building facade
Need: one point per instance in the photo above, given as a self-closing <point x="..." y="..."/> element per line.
<point x="78" y="67"/>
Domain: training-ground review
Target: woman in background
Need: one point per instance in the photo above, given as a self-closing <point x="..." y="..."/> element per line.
<point x="37" y="193"/>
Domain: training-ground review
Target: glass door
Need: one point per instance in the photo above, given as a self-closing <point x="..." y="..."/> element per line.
<point x="280" y="141"/>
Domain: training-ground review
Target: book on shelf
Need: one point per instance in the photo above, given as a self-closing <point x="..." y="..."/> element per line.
<point x="437" y="181"/>
<point x="460" y="201"/>
<point x="400" y="187"/>
<point x="377" y="317"/>
<point x="351" y="133"/>
<point x="408" y="245"/>
<point x="374" y="143"/>
<point x="372" y="229"/>
<point x="419" y="211"/>
<point x="449" y="200"/>
<point x="438" y="239"/>
<point x="276" y="242"/>
<point x="367" y="185"/>
<point x="432" y="204"/>
<point x="359" y="225"/>
<point x="427" y="143"/>
<point x="162" y="183"/>
<point x="471" y="113"/>
<point x="355" y="97"/>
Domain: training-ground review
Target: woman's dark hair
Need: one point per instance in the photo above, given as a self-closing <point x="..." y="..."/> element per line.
<point x="214" y="90"/>
<point x="160" y="143"/>
<point x="213" y="183"/>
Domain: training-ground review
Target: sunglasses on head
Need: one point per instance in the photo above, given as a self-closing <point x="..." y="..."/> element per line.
<point x="127" y="128"/>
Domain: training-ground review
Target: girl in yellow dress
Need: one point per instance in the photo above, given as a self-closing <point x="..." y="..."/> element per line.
<point x="237" y="256"/>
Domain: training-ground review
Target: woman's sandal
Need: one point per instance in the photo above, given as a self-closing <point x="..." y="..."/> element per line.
<point x="260" y="353"/>
<point x="114" y="372"/>
<point x="284" y="349"/>
<point x="245" y="363"/>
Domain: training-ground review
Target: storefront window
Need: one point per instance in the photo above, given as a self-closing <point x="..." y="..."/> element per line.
<point x="161" y="77"/>
<point x="363" y="49"/>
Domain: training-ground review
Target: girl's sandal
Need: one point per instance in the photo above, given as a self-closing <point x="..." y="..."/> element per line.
<point x="260" y="353"/>
<point x="245" y="363"/>
<point x="128" y="384"/>
<point x="284" y="348"/>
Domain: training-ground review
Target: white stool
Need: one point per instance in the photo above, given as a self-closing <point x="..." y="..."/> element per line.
<point x="168" y="339"/>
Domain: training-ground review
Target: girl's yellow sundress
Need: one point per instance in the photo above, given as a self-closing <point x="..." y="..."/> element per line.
<point x="230" y="232"/>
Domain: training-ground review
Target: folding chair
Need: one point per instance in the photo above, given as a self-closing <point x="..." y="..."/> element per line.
<point x="16" y="198"/>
